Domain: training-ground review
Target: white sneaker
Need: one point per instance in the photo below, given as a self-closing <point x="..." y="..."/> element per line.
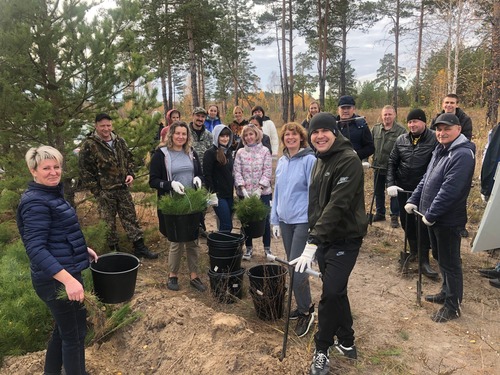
<point x="248" y="254"/>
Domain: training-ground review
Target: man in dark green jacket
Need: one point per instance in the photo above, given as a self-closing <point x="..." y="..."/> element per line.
<point x="384" y="135"/>
<point x="337" y="225"/>
<point x="106" y="169"/>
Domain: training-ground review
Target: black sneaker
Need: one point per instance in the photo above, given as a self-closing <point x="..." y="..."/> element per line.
<point x="198" y="284"/>
<point x="304" y="322"/>
<point x="347" y="351"/>
<point x="445" y="314"/>
<point x="378" y="217"/>
<point x="320" y="364"/>
<point x="294" y="314"/>
<point x="394" y="221"/>
<point x="173" y="284"/>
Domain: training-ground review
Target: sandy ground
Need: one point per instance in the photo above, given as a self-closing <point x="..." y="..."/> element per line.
<point x="192" y="333"/>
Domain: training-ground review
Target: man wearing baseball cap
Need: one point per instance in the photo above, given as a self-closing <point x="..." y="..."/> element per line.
<point x="408" y="161"/>
<point x="337" y="225"/>
<point x="446" y="184"/>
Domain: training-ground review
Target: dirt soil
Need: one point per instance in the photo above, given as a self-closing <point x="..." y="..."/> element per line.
<point x="188" y="332"/>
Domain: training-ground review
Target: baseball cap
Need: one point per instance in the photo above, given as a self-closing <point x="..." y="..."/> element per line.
<point x="447" y="119"/>
<point x="346" y="100"/>
<point x="102" y="116"/>
<point x="199" y="110"/>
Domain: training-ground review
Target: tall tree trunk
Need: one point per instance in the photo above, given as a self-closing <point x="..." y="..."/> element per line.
<point x="192" y="63"/>
<point x="419" y="52"/>
<point x="322" y="46"/>
<point x="285" y="92"/>
<point x="343" y="60"/>
<point x="492" y="116"/>
<point x="163" y="83"/>
<point x="458" y="44"/>
<point x="290" y="54"/>
<point x="449" y="47"/>
<point x="236" y="60"/>
<point x="171" y="88"/>
<point x="396" y="57"/>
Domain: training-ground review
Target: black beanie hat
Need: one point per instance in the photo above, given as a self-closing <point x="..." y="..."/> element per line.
<point x="323" y="120"/>
<point x="416" y="114"/>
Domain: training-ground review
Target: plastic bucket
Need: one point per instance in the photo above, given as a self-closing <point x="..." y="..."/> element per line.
<point x="223" y="244"/>
<point x="114" y="277"/>
<point x="226" y="287"/>
<point x="268" y="288"/>
<point x="225" y="264"/>
<point x="255" y="229"/>
<point x="182" y="228"/>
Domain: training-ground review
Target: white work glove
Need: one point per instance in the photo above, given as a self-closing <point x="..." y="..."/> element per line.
<point x="197" y="182"/>
<point x="484" y="198"/>
<point x="178" y="187"/>
<point x="257" y="193"/>
<point x="392" y="191"/>
<point x="365" y="165"/>
<point x="305" y="260"/>
<point x="427" y="222"/>
<point x="245" y="193"/>
<point x="409" y="207"/>
<point x="213" y="200"/>
<point x="276" y="231"/>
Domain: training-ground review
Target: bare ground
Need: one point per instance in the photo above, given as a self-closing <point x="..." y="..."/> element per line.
<point x="189" y="332"/>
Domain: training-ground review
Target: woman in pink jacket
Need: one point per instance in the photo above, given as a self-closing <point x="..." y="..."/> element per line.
<point x="252" y="176"/>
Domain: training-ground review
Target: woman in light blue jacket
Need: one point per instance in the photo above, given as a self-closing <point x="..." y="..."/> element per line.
<point x="290" y="220"/>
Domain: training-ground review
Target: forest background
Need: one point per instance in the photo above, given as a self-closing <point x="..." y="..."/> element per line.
<point x="59" y="66"/>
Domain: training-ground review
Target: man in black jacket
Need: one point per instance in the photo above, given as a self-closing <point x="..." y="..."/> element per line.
<point x="337" y="225"/>
<point x="450" y="105"/>
<point x="354" y="129"/>
<point x="407" y="164"/>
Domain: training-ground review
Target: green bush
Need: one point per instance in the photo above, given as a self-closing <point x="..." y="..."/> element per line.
<point x="251" y="209"/>
<point x="95" y="236"/>
<point x="26" y="321"/>
<point x="177" y="204"/>
<point x="9" y="200"/>
<point x="8" y="231"/>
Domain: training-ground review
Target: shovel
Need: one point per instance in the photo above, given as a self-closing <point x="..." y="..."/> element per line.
<point x="418" y="217"/>
<point x="370" y="215"/>
<point x="404" y="255"/>
<point x="291" y="270"/>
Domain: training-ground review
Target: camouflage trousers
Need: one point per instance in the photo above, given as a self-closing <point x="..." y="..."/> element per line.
<point x="118" y="202"/>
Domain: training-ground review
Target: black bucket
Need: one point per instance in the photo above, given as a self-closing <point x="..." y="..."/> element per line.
<point x="114" y="277"/>
<point x="268" y="288"/>
<point x="225" y="264"/>
<point x="223" y="244"/>
<point x="182" y="228"/>
<point x="227" y="287"/>
<point x="255" y="229"/>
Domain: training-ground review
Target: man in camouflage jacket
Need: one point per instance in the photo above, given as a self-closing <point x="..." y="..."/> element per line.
<point x="106" y="169"/>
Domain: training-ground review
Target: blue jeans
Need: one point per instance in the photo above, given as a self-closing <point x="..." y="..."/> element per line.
<point x="445" y="242"/>
<point x="336" y="262"/>
<point x="224" y="212"/>
<point x="294" y="239"/>
<point x="66" y="346"/>
<point x="380" y="196"/>
<point x="266" y="239"/>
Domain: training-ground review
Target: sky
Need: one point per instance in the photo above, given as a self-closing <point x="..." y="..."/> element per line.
<point x="365" y="50"/>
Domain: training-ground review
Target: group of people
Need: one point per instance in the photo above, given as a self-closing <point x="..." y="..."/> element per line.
<point x="423" y="171"/>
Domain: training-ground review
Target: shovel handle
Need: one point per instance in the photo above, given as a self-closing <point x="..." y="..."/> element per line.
<point x="309" y="271"/>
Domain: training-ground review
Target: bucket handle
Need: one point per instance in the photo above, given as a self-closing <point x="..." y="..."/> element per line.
<point x="225" y="234"/>
<point x="309" y="271"/>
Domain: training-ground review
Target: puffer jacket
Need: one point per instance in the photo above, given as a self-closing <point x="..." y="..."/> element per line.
<point x="211" y="123"/>
<point x="464" y="120"/>
<point x="358" y="132"/>
<point x="384" y="142"/>
<point x="253" y="169"/>
<point x="336" y="195"/>
<point x="293" y="175"/>
<point x="490" y="162"/>
<point x="102" y="167"/>
<point x="442" y="194"/>
<point x="408" y="162"/>
<point x="51" y="233"/>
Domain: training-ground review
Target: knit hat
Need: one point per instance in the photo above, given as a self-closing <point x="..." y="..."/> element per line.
<point x="447" y="119"/>
<point x="323" y="120"/>
<point x="416" y="114"/>
<point x="346" y="100"/>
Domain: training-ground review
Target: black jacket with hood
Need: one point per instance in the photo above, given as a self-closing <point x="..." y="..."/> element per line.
<point x="219" y="178"/>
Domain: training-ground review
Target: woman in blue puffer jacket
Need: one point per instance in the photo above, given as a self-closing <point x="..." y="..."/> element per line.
<point x="58" y="254"/>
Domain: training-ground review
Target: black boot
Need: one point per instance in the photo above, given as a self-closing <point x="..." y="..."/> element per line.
<point x="426" y="267"/>
<point x="140" y="250"/>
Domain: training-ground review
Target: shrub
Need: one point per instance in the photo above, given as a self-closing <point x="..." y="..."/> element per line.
<point x="251" y="209"/>
<point x="177" y="204"/>
<point x="9" y="200"/>
<point x="8" y="231"/>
